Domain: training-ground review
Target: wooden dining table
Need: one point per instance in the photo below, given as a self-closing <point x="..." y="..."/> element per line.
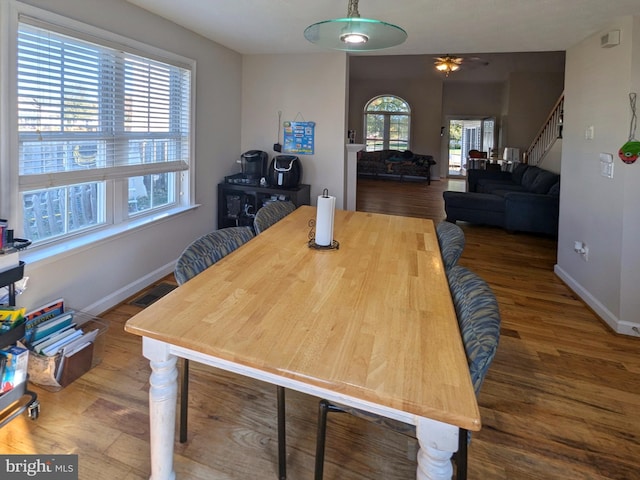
<point x="370" y="324"/>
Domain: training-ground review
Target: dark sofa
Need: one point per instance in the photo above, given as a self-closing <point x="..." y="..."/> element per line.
<point x="395" y="163"/>
<point x="524" y="200"/>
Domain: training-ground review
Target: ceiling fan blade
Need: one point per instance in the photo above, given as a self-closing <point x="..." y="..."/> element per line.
<point x="449" y="58"/>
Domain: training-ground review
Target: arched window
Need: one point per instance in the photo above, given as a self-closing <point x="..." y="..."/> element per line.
<point x="386" y="123"/>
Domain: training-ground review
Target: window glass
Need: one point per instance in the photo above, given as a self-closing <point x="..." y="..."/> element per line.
<point x="89" y="117"/>
<point x="55" y="212"/>
<point x="387" y="119"/>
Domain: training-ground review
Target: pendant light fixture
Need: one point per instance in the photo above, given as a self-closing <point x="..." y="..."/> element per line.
<point x="355" y="34"/>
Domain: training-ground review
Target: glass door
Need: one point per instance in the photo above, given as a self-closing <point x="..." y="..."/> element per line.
<point x="467" y="134"/>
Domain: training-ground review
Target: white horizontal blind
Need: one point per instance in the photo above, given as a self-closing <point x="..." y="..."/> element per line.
<point x="91" y="112"/>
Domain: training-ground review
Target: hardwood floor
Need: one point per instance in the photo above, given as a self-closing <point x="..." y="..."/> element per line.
<point x="561" y="400"/>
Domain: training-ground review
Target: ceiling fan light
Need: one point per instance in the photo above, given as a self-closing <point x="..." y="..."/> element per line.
<point x="447" y="64"/>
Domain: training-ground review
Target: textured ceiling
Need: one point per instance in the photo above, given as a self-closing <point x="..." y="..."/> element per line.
<point x="434" y="26"/>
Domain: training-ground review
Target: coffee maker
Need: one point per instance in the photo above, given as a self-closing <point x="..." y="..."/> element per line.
<point x="254" y="164"/>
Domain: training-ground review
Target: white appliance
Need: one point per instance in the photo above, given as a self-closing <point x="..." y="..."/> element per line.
<point x="511" y="154"/>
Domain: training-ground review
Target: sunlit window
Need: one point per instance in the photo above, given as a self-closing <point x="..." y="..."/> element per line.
<point x="103" y="133"/>
<point x="386" y="123"/>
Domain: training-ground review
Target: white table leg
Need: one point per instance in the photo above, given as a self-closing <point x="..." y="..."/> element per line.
<point x="163" y="395"/>
<point x="437" y="443"/>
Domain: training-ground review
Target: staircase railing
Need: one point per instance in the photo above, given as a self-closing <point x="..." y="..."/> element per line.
<point x="551" y="130"/>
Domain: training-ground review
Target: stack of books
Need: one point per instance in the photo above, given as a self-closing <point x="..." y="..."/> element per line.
<point x="50" y="331"/>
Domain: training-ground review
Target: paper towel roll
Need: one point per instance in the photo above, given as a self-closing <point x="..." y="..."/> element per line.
<point x="324" y="220"/>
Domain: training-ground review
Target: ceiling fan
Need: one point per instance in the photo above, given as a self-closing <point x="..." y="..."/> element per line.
<point x="450" y="63"/>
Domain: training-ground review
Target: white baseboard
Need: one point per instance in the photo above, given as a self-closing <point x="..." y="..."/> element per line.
<point x="125" y="292"/>
<point x="619" y="326"/>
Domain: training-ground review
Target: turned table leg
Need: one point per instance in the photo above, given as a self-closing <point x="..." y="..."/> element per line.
<point x="163" y="395"/>
<point x="437" y="443"/>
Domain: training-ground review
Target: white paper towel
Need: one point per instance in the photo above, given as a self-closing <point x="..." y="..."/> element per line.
<point x="324" y="220"/>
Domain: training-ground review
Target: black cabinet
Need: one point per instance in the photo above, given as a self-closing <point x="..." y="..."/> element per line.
<point x="238" y="204"/>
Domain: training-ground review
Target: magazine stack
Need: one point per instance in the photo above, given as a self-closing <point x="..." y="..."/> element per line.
<point x="63" y="344"/>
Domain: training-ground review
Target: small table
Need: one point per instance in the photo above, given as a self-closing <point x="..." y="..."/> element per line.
<point x="370" y="325"/>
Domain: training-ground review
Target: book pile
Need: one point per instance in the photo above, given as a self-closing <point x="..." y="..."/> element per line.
<point x="54" y="333"/>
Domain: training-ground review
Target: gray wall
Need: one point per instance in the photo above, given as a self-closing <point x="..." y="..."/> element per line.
<point x="600" y="211"/>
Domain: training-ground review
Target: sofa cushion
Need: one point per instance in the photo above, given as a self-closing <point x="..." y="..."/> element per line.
<point x="529" y="176"/>
<point x="501" y="192"/>
<point x="518" y="172"/>
<point x="555" y="189"/>
<point x="485" y="185"/>
<point x="498" y="187"/>
<point x="474" y="207"/>
<point x="474" y="201"/>
<point x="543" y="181"/>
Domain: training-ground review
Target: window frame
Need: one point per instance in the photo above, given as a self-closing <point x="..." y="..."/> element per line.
<point x="387" y="120"/>
<point x="117" y="217"/>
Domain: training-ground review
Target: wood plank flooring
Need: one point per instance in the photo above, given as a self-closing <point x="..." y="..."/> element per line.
<point x="561" y="400"/>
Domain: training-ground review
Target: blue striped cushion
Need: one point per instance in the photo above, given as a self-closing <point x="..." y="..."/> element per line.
<point x="451" y="240"/>
<point x="479" y="319"/>
<point x="209" y="249"/>
<point x="270" y="214"/>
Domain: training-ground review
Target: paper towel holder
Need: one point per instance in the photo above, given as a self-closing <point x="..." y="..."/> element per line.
<point x="334" y="245"/>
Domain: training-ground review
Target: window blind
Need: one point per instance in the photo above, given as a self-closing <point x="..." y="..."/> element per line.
<point x="88" y="111"/>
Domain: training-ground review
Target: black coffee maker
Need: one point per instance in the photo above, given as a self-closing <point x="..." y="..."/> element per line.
<point x="254" y="164"/>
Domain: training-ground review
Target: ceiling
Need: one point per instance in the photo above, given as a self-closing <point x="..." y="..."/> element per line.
<point x="434" y="27"/>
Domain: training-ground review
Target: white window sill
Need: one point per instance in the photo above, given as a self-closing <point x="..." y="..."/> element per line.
<point x="47" y="253"/>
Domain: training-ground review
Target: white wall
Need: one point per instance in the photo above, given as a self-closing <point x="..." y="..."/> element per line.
<point x="105" y="274"/>
<point x="601" y="212"/>
<point x="305" y="88"/>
